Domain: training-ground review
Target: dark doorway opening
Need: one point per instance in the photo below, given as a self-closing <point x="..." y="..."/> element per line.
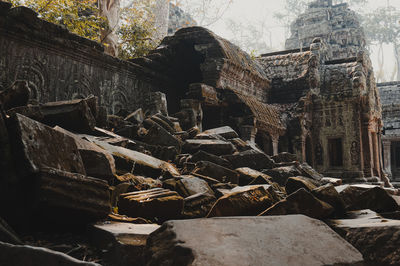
<point x="335" y="149"/>
<point x="397" y="157"/>
<point x="184" y="70"/>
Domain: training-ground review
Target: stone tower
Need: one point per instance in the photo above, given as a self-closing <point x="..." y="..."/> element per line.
<point x="336" y="25"/>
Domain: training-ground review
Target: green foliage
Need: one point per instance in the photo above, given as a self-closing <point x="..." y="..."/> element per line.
<point x="136" y="31"/>
<point x="82" y="17"/>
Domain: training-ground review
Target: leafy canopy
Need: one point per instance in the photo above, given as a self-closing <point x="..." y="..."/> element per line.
<point x="83" y="18"/>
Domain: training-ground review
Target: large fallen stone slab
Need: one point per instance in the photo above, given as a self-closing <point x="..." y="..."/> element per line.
<point x="124" y="243"/>
<point x="301" y="202"/>
<point x="377" y="238"/>
<point x="244" y="201"/>
<point x="36" y="145"/>
<point x="216" y="147"/>
<point x="36" y="256"/>
<point x="63" y="196"/>
<point x="215" y="171"/>
<point x="253" y="159"/>
<point x="225" y="132"/>
<point x="127" y="160"/>
<point x="155" y="204"/>
<point x="74" y="115"/>
<point x="279" y="240"/>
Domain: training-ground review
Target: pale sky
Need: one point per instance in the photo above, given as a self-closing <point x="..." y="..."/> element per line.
<point x="254" y="11"/>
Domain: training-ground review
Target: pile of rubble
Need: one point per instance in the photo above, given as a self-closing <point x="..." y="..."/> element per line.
<point x="67" y="166"/>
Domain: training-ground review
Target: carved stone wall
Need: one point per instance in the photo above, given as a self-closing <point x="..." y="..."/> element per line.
<point x="60" y="65"/>
<point x="390" y="95"/>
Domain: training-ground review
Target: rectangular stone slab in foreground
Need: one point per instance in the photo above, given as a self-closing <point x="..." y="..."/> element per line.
<point x="275" y="240"/>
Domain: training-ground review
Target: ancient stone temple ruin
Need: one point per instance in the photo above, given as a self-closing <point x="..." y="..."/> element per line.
<point x="329" y="80"/>
<point x="317" y="100"/>
<point x="196" y="153"/>
<point x="390" y="94"/>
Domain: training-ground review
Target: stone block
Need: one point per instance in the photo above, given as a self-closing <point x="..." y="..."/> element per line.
<point x="375" y="237"/>
<point x="155" y="204"/>
<point x="244" y="201"/>
<point x="157" y="135"/>
<point x="36" y="256"/>
<point x="124" y="242"/>
<point x="191" y="185"/>
<point x="217" y="172"/>
<point x="141" y="164"/>
<point x="249" y="176"/>
<point x="198" y="205"/>
<point x="376" y="199"/>
<point x="253" y="159"/>
<point x="74" y="115"/>
<point x="328" y="194"/>
<point x="216" y="147"/>
<point x="63" y="196"/>
<point x="301" y="202"/>
<point x="97" y="162"/>
<point x="295" y="183"/>
<point x="281" y="174"/>
<point x="280" y="240"/>
<point x="225" y="132"/>
<point x="36" y="146"/>
<point x="205" y="156"/>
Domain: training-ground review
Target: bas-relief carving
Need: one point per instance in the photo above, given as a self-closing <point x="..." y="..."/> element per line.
<point x="319" y="154"/>
<point x="355" y="153"/>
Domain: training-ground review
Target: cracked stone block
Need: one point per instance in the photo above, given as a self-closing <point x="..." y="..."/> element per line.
<point x="278" y="240"/>
<point x="36" y="145"/>
<point x="124" y="242"/>
<point x="74" y="115"/>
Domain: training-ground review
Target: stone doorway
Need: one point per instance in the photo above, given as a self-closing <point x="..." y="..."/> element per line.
<point x="335" y="148"/>
<point x="395" y="156"/>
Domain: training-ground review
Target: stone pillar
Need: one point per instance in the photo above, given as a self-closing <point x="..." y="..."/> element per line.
<point x="275" y="143"/>
<point x="248" y="133"/>
<point x="387" y="160"/>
